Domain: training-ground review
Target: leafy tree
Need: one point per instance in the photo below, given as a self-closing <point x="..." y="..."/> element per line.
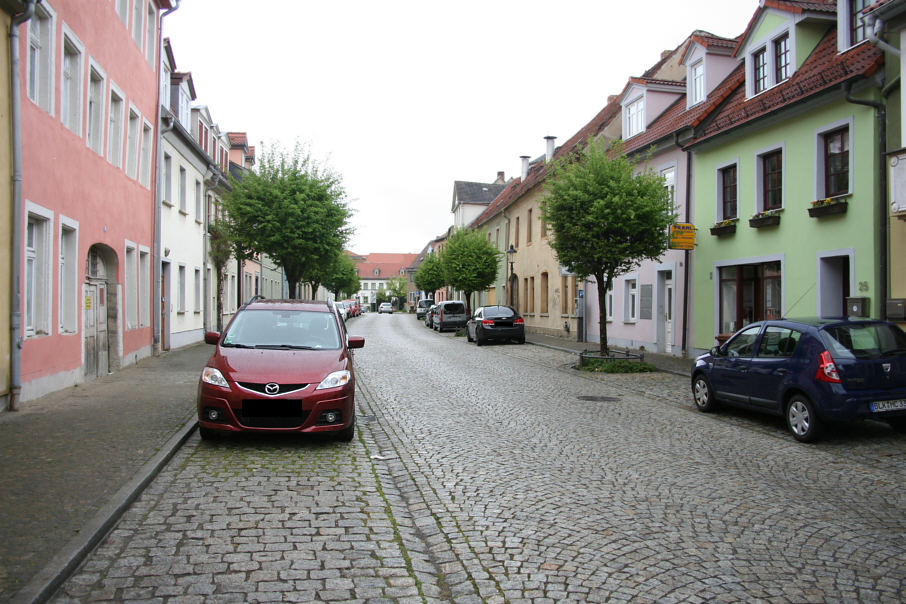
<point x="342" y="276"/>
<point x="604" y="217"/>
<point x="294" y="210"/>
<point x="469" y="263"/>
<point x="397" y="288"/>
<point x="221" y="248"/>
<point x="430" y="274"/>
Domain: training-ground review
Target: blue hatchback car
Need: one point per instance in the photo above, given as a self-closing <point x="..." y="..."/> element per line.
<point x="810" y="371"/>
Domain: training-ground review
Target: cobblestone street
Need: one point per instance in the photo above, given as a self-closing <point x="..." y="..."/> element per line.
<point x="500" y="474"/>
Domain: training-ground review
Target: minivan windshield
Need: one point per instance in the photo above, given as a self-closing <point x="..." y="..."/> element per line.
<point x="864" y="340"/>
<point x="282" y="329"/>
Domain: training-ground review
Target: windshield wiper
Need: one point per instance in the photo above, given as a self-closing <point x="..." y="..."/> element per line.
<point x="284" y="347"/>
<point x="235" y="345"/>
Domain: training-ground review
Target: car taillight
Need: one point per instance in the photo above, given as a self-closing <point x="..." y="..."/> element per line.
<point x="519" y="321"/>
<point x="827" y="370"/>
<point x="487" y="322"/>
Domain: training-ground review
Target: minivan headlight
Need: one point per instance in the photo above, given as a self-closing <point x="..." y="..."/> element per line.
<point x="334" y="380"/>
<point x="213" y="376"/>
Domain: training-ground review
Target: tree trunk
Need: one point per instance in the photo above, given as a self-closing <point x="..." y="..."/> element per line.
<point x="221" y="276"/>
<point x="604" y="284"/>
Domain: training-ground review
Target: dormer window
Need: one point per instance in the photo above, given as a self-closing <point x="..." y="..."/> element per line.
<point x="770" y="63"/>
<point x="697" y="88"/>
<point x="782" y="58"/>
<point x="635" y="117"/>
<point x="856" y="25"/>
<point x="760" y="71"/>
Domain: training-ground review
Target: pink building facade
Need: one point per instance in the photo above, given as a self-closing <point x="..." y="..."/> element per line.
<point x="89" y="115"/>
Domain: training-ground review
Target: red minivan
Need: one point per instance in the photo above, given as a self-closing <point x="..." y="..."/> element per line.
<point x="280" y="366"/>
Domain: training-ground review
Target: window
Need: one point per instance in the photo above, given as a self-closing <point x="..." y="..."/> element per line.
<point x="197" y="300"/>
<point x="544" y="289"/>
<point x="130" y="286"/>
<point x="71" y="84"/>
<point x="836" y="162"/>
<point x="40" y="58"/>
<point x="743" y="345"/>
<point x="96" y="94"/>
<point x="144" y="285"/>
<point x="133" y="137"/>
<point x="748" y="293"/>
<point x="181" y="288"/>
<point x="198" y="199"/>
<point x="147" y="149"/>
<point x="150" y="34"/>
<point x="516" y="242"/>
<point x="68" y="290"/>
<point x="608" y="305"/>
<point x="138" y="23"/>
<point x="778" y="342"/>
<point x="530" y="294"/>
<point x="528" y="227"/>
<point x="37" y="274"/>
<point x="122" y="10"/>
<point x="635" y="117"/>
<point x="630" y="300"/>
<point x="728" y="193"/>
<point x="168" y="179"/>
<point x="115" y="131"/>
<point x="182" y="189"/>
<point x="760" y="71"/>
<point x="856" y="25"/>
<point x="564" y="295"/>
<point x="781" y="58"/>
<point x="697" y="89"/>
<point x="669" y="176"/>
<point x="772" y="180"/>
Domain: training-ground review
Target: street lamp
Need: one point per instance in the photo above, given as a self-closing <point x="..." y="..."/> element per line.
<point x="510" y="253"/>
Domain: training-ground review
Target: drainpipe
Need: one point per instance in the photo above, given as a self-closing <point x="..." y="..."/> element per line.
<point x="881" y="113"/>
<point x="155" y="287"/>
<point x="15" y="312"/>
<point x="686" y="252"/>
<point x="875" y="26"/>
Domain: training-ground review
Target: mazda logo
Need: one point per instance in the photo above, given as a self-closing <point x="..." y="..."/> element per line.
<point x="272" y="388"/>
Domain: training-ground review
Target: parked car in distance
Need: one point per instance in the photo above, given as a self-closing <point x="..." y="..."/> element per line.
<point x="342" y="310"/>
<point x="495" y="323"/>
<point x="449" y="314"/>
<point x="429" y="315"/>
<point x="354" y="307"/>
<point x="385" y="307"/>
<point x="280" y="366"/>
<point x="421" y="308"/>
<point x="811" y="371"/>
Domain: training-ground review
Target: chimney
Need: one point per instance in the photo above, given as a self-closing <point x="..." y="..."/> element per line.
<point x="524" y="159"/>
<point x="549" y="154"/>
<point x="665" y="54"/>
<point x="500" y="179"/>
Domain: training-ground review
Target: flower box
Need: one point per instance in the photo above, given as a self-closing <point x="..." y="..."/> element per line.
<point x="720" y="230"/>
<point x="826" y="209"/>
<point x="756" y="222"/>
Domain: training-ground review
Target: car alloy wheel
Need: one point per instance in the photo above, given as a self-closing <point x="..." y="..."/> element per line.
<point x="802" y="420"/>
<point x="702" y="395"/>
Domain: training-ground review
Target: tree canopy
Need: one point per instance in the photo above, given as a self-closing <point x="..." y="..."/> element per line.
<point x="469" y="262"/>
<point x="291" y="208"/>
<point x="396" y="288"/>
<point x="430" y="274"/>
<point x="605" y="216"/>
<point x="342" y="276"/>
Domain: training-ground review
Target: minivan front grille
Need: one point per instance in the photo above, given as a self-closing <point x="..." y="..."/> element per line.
<point x="268" y="413"/>
<point x="263" y="388"/>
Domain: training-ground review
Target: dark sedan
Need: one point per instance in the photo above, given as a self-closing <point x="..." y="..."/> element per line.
<point x="810" y="371"/>
<point x="495" y="323"/>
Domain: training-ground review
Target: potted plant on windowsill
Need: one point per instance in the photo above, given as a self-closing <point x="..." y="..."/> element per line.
<point x="765" y="218"/>
<point x="825" y="207"/>
<point x="724" y="227"/>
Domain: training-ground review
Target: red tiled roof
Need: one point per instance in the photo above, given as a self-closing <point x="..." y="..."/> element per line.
<point x="238" y="138"/>
<point x="657" y="82"/>
<point x="389" y="265"/>
<point x="824" y="69"/>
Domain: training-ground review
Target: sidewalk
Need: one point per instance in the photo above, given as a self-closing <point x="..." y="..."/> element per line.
<point x="73" y="460"/>
<point x="663" y="362"/>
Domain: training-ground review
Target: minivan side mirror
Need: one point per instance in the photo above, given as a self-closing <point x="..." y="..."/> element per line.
<point x="716" y="351"/>
<point x="211" y="337"/>
<point x="355" y="342"/>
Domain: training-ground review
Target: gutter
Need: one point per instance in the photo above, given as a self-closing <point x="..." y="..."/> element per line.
<point x="156" y="293"/>
<point x="881" y="114"/>
<point x="15" y="311"/>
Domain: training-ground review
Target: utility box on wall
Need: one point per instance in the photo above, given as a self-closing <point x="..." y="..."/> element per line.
<point x="857" y="307"/>
<point x="896" y="309"/>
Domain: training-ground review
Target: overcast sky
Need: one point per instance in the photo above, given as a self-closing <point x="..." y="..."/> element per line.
<point x="404" y="97"/>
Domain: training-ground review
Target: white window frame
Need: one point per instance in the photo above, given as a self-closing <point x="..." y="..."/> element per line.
<point x="199" y="197"/>
<point x="181" y="288"/>
<point x="37" y="298"/>
<point x="844" y="26"/>
<point x="122" y="10"/>
<point x="68" y="271"/>
<point x="39" y="81"/>
<point x="197" y="299"/>
<point x="146" y="154"/>
<point x="820" y="132"/>
<point x="116" y="125"/>
<point x="96" y="112"/>
<point x="72" y="62"/>
<point x="150" y="34"/>
<point x="697" y="82"/>
<point x="759" y="177"/>
<point x="145" y="304"/>
<point x="630" y="298"/>
<point x="634" y="117"/>
<point x="608" y="305"/>
<point x="767" y="45"/>
<point x="183" y="188"/>
<point x="167" y="196"/>
<point x="138" y="22"/>
<point x="133" y="141"/>
<point x="130" y="284"/>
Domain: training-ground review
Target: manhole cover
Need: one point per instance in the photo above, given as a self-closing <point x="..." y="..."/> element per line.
<point x="598" y="399"/>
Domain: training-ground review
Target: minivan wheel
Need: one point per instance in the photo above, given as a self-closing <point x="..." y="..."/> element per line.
<point x="702" y="394"/>
<point x="802" y="420"/>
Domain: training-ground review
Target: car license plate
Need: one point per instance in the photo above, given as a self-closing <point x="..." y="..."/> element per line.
<point x="894" y="405"/>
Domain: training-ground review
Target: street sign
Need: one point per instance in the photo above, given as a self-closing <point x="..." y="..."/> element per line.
<point x="682" y="236"/>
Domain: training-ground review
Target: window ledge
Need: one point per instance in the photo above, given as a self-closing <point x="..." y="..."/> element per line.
<point x="827" y="209"/>
<point x="183" y="212"/>
<point x="167" y="203"/>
